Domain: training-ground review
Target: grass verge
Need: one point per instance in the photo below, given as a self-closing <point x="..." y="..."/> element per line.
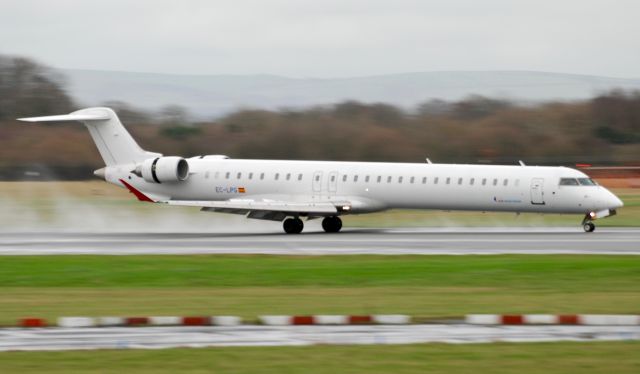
<point x="520" y="358"/>
<point x="52" y="286"/>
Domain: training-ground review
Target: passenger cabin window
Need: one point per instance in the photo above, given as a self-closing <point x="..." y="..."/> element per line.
<point x="389" y="179"/>
<point x="318" y="178"/>
<point x="506" y="181"/>
<point x="250" y="175"/>
<point x="424" y="180"/>
<point x="261" y="176"/>
<point x="206" y="175"/>
<point x="227" y="175"/>
<point x="277" y="176"/>
<point x="344" y="178"/>
<point x="288" y="176"/>
<point x="333" y="178"/>
<point x="239" y="175"/>
<point x="355" y="178"/>
<point x="495" y="182"/>
<point x="366" y="179"/>
<point x="412" y="180"/>
<point x="484" y="181"/>
<point x="379" y="178"/>
<point x="299" y="177"/>
<point x="471" y="181"/>
<point x="448" y="180"/>
<point x="435" y="181"/>
<point x="399" y="179"/>
<point x="459" y="180"/>
<point x="217" y="175"/>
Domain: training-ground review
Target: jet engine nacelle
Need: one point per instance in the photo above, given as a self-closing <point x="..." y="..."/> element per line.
<point x="163" y="169"/>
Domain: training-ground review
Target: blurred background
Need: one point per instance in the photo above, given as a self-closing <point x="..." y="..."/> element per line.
<point x="601" y="130"/>
<point x="551" y="84"/>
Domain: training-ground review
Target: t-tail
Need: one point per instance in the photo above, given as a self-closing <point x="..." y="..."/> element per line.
<point x="115" y="144"/>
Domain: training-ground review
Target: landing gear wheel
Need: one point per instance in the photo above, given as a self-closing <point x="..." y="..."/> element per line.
<point x="589" y="227"/>
<point x="293" y="225"/>
<point x="332" y="224"/>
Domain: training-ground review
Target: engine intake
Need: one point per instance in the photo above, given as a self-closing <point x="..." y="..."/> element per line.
<point x="163" y="169"/>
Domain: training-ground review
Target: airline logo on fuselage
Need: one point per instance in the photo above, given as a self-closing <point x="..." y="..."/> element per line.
<point x="228" y="190"/>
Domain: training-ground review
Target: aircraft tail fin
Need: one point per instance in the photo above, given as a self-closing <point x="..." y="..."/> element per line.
<point x="115" y="144"/>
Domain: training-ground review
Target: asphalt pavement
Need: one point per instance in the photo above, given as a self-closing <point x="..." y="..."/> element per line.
<point x="449" y="241"/>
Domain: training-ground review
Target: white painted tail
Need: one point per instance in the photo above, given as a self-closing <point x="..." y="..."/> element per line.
<point x="115" y="144"/>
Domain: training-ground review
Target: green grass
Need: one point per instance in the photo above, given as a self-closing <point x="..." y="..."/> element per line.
<point x="520" y="358"/>
<point x="519" y="271"/>
<point x="426" y="286"/>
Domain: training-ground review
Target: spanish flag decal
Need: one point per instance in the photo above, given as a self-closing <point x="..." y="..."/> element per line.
<point x="241" y="189"/>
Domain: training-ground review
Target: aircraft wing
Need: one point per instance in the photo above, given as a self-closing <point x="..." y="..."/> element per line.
<point x="261" y="209"/>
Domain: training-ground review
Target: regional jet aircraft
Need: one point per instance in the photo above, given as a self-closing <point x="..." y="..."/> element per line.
<point x="288" y="191"/>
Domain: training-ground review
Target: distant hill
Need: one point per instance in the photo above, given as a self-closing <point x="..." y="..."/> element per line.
<point x="213" y="95"/>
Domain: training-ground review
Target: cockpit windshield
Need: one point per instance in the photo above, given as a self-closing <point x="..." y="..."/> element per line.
<point x="587" y="182"/>
<point x="577" y="182"/>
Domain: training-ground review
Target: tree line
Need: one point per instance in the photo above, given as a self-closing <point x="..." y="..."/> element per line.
<point x="603" y="130"/>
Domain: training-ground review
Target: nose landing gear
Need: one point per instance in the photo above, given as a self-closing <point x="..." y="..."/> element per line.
<point x="587" y="225"/>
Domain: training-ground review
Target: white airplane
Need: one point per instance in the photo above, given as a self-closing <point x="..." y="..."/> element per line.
<point x="288" y="191"/>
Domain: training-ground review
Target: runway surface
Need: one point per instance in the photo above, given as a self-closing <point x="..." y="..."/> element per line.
<point x="620" y="241"/>
<point x="167" y="337"/>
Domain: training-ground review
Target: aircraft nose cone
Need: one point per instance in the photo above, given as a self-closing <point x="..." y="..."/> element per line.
<point x="617" y="203"/>
<point x="613" y="202"/>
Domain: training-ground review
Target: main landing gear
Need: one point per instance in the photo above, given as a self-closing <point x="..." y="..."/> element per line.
<point x="293" y="225"/>
<point x="332" y="224"/>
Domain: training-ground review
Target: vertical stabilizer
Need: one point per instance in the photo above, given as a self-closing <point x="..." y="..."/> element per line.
<point x="115" y="144"/>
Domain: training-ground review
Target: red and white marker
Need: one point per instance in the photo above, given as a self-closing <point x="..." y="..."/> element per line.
<point x="386" y="319"/>
<point x="553" y="319"/>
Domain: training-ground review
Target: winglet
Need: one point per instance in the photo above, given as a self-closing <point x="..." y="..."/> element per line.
<point x="137" y="193"/>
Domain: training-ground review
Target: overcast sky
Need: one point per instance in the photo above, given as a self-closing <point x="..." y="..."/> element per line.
<point x="326" y="38"/>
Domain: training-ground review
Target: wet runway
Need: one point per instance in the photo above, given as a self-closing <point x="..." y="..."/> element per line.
<point x="462" y="241"/>
<point x="167" y="337"/>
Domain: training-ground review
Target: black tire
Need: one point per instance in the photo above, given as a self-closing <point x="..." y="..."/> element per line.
<point x="293" y="225"/>
<point x="332" y="224"/>
<point x="589" y="227"/>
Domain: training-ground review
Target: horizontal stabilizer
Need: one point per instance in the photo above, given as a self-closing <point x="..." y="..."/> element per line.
<point x="115" y="144"/>
<point x="69" y="117"/>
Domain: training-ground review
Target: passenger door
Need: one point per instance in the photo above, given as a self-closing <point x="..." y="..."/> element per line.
<point x="333" y="182"/>
<point x="317" y="184"/>
<point x="537" y="191"/>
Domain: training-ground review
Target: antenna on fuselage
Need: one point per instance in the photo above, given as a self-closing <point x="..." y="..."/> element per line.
<point x="521" y="163"/>
<point x="429" y="161"/>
